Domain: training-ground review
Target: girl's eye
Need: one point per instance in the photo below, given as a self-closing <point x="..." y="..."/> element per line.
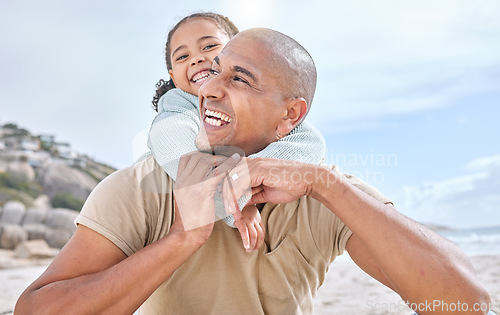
<point x="213" y="72"/>
<point x="181" y="57"/>
<point x="210" y="46"/>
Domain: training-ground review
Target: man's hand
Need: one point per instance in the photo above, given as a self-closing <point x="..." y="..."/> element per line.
<point x="272" y="180"/>
<point x="198" y="177"/>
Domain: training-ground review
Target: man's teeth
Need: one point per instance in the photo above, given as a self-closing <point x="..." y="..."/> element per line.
<point x="200" y="76"/>
<point x="219" y="115"/>
<point x="213" y="122"/>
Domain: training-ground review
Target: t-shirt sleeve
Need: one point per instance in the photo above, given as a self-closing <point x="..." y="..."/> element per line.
<point x="329" y="232"/>
<point x="125" y="210"/>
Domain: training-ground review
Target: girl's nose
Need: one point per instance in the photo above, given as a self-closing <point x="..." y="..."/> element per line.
<point x="198" y="59"/>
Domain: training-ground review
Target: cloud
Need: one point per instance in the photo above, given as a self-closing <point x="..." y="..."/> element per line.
<point x="85" y="70"/>
<point x="394" y="58"/>
<point x="469" y="200"/>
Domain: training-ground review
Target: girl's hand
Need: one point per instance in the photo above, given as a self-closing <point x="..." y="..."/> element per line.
<point x="251" y="228"/>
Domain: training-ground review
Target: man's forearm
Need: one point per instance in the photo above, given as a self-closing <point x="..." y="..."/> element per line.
<point x="119" y="289"/>
<point x="420" y="265"/>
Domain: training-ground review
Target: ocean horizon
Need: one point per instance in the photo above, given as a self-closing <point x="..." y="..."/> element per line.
<point x="475" y="241"/>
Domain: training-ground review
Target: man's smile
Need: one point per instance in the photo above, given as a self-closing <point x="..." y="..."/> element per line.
<point x="215" y="118"/>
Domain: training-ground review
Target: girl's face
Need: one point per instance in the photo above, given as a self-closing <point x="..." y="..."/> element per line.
<point x="194" y="46"/>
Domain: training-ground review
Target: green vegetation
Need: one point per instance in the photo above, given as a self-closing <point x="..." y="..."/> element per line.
<point x="67" y="200"/>
<point x="17" y="131"/>
<point x="7" y="194"/>
<point x="18" y="182"/>
<point x="21" y="186"/>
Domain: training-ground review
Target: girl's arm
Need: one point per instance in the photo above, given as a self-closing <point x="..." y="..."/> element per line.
<point x="173" y="133"/>
<point x="303" y="144"/>
<point x="174" y="129"/>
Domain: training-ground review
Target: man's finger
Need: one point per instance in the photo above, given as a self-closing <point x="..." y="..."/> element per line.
<point x="230" y="203"/>
<point x="227" y="164"/>
<point x="183" y="162"/>
<point x="258" y="198"/>
<point x="239" y="178"/>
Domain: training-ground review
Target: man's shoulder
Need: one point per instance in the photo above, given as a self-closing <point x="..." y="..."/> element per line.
<point x="361" y="184"/>
<point x="142" y="171"/>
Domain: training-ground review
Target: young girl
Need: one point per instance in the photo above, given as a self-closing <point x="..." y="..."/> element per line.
<point x="191" y="47"/>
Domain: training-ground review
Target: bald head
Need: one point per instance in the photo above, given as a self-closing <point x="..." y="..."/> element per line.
<point x="291" y="63"/>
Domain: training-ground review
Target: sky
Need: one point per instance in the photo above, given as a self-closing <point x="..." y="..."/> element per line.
<point x="407" y="98"/>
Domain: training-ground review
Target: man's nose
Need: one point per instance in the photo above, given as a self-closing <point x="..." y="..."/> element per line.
<point x="213" y="88"/>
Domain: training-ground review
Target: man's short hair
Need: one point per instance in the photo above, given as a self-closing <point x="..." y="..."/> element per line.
<point x="295" y="66"/>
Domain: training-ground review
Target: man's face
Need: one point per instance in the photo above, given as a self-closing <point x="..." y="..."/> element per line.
<point x="241" y="104"/>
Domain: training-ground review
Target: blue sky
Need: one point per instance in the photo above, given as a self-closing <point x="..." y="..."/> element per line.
<point x="408" y="91"/>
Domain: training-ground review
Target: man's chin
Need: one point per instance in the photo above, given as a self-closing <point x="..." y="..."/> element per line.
<point x="225" y="150"/>
<point x="204" y="145"/>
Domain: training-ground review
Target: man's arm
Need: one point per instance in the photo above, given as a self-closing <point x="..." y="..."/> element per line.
<point x="92" y="275"/>
<point x="417" y="263"/>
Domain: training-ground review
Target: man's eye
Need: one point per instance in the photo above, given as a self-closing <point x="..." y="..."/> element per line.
<point x="181" y="57"/>
<point x="240" y="79"/>
<point x="213" y="72"/>
<point x="210" y="46"/>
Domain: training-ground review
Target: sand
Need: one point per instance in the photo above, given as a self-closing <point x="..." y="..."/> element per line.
<point x="347" y="289"/>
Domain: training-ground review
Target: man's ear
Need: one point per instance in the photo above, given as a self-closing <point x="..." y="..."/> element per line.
<point x="171" y="74"/>
<point x="296" y="110"/>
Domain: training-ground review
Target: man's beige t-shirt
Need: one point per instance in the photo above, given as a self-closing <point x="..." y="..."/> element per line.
<point x="133" y="208"/>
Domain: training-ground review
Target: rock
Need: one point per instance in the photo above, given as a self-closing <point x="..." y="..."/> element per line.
<point x="36" y="231"/>
<point x="57" y="238"/>
<point x="42" y="202"/>
<point x="13" y="212"/>
<point x="61" y="226"/>
<point x="34" y="216"/>
<point x="62" y="219"/>
<point x="58" y="178"/>
<point x="34" y="249"/>
<point x="12" y="235"/>
<point x="23" y="169"/>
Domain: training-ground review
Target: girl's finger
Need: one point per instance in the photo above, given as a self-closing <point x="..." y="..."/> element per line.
<point x="252" y="237"/>
<point x="242" y="228"/>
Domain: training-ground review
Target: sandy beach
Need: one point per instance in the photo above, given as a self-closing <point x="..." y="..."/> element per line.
<point x="347" y="289"/>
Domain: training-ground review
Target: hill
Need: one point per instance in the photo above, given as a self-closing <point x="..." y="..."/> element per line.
<point x="43" y="173"/>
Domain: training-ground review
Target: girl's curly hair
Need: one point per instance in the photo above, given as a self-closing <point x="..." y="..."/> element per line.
<point x="221" y="21"/>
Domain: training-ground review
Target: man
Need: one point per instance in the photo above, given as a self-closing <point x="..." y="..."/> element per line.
<point x="129" y="246"/>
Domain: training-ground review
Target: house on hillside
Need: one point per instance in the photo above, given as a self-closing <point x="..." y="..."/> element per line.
<point x="65" y="151"/>
<point x="20" y="143"/>
<point x="30" y="143"/>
